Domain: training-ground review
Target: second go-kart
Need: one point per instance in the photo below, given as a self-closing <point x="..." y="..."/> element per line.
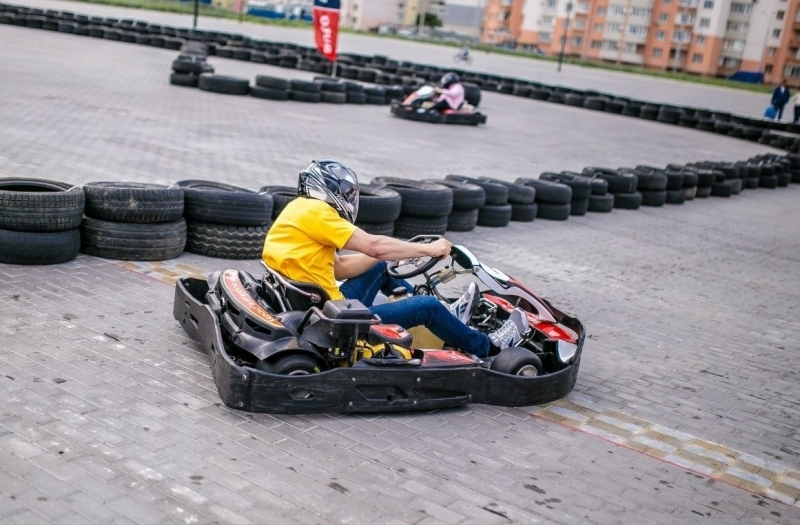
<point x="416" y="107"/>
<point x="281" y="346"/>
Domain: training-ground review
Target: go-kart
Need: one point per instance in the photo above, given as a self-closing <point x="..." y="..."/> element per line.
<point x="280" y="346"/>
<point x="417" y="106"/>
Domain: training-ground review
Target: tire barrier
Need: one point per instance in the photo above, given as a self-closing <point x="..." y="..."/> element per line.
<point x="393" y="79"/>
<point x="425" y="206"/>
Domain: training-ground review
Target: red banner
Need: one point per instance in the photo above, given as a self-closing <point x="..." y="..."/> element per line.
<point x="326" y="27"/>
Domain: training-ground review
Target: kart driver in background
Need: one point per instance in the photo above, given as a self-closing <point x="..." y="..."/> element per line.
<point x="451" y="93"/>
<point x="303" y="245"/>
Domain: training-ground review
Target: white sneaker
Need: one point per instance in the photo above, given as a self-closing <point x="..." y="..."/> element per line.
<point x="511" y="332"/>
<point x="465" y="306"/>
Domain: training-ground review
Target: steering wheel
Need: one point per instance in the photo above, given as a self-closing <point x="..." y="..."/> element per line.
<point x="413" y="266"/>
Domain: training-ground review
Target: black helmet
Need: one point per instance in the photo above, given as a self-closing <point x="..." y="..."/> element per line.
<point x="331" y="182"/>
<point x="448" y="79"/>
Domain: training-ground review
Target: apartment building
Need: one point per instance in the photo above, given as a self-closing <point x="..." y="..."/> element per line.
<point x="705" y="37"/>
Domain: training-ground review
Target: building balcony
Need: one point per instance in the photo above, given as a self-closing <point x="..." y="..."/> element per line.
<point x="794" y="42"/>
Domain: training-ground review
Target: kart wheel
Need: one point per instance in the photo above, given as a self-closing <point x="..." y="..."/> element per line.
<point x="518" y="361"/>
<point x="290" y="364"/>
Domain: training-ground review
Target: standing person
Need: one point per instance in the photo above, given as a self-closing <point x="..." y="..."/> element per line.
<point x="780" y="97"/>
<point x="795" y="103"/>
<point x="451" y="93"/>
<point x="303" y="242"/>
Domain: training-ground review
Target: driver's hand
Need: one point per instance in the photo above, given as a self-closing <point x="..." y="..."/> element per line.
<point x="440" y="248"/>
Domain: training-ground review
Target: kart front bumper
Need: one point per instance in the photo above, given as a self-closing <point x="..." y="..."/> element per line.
<point x="362" y="388"/>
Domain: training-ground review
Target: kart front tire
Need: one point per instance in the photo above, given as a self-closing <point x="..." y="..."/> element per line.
<point x="518" y="361"/>
<point x="290" y="364"/>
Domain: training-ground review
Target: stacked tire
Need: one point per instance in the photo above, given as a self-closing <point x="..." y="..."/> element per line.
<point x="354" y="93"/>
<point x="270" y="88"/>
<point x="496" y="211"/>
<point x="332" y="92"/>
<point x="652" y="184"/>
<point x="224" y="84"/>
<point x="304" y="91"/>
<point x="553" y="199"/>
<point x="378" y="209"/>
<point x="281" y="196"/>
<point x="425" y="206"/>
<point x="225" y="221"/>
<point x="622" y="185"/>
<point x="521" y="198"/>
<point x="39" y="221"/>
<point x="190" y="64"/>
<point x="132" y="221"/>
<point x="468" y="199"/>
<point x="600" y="201"/>
<point x="581" y="189"/>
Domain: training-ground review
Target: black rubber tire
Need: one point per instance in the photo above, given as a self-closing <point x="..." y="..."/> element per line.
<point x="133" y="202"/>
<point x="548" y="192"/>
<point x="193" y="67"/>
<point x="378" y="204"/>
<point x="703" y="192"/>
<point x="333" y="98"/>
<point x="224" y="84"/>
<point x="495" y="193"/>
<point x="574" y="99"/>
<point x="331" y="86"/>
<point x="706" y="177"/>
<point x="356" y="97"/>
<point x="553" y="212"/>
<point x="269" y="93"/>
<point x="305" y="96"/>
<point x="406" y="227"/>
<point x="472" y="94"/>
<point x="651" y="180"/>
<point x="518" y="361"/>
<point x="39" y="248"/>
<point x="517" y="193"/>
<point x="524" y="212"/>
<point x="628" y="201"/>
<point x="653" y="198"/>
<point x="676" y="196"/>
<point x="784" y="178"/>
<point x="579" y="207"/>
<point x="751" y="183"/>
<point x="618" y="181"/>
<point x="291" y="363"/>
<point x="210" y="201"/>
<point x="127" y="241"/>
<point x="768" y="181"/>
<point x="495" y="215"/>
<point x="184" y="79"/>
<point x="466" y="196"/>
<point x="581" y="186"/>
<point x="281" y="196"/>
<point x="601" y="203"/>
<point x="377" y="228"/>
<point x="39" y="205"/>
<point x="420" y="199"/>
<point x="722" y="189"/>
<point x="303" y="86"/>
<point x="462" y="220"/>
<point x="599" y="186"/>
<point x="277" y="83"/>
<point x="225" y="241"/>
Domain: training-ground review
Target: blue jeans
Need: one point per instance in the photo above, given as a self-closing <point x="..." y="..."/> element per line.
<point x="419" y="310"/>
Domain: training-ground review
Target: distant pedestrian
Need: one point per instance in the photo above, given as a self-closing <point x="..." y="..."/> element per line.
<point x="795" y="103"/>
<point x="780" y="97"/>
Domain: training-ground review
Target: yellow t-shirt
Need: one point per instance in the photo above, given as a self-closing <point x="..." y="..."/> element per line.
<point x="302" y="243"/>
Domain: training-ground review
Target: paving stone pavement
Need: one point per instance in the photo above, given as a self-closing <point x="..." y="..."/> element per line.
<point x="109" y="413"/>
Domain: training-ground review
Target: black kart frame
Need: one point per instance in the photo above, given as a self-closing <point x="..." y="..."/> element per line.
<point x="411" y="113"/>
<point x="363" y="387"/>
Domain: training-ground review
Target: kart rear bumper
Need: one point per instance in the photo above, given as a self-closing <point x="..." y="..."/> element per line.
<point x="362" y="388"/>
<point x="465" y="118"/>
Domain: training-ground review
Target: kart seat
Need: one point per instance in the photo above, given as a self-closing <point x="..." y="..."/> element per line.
<point x="288" y="294"/>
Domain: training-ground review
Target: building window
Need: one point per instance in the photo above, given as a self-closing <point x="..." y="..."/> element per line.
<point x="637" y="30"/>
<point x="545" y="37"/>
<point x="771" y="51"/>
<point x="576" y="41"/>
<point x="550" y="4"/>
<point x="657" y="53"/>
<point x="686" y="19"/>
<point x="666" y="2"/>
<point x="705" y="22"/>
<point x="613" y="27"/>
<point x="700" y="40"/>
<point x="597" y="44"/>
<point x="502" y="16"/>
<point x="617" y="10"/>
<point x="733" y="45"/>
<point x="732" y="63"/>
<point x="697" y="58"/>
<point x="610" y="45"/>
<point x="768" y="68"/>
<point x="780" y="14"/>
<point x="776" y="33"/>
<point x="580" y="23"/>
<point x="583" y="7"/>
<point x="742" y="9"/>
<point x="708" y="4"/>
<point x="737" y="27"/>
<point x="630" y="48"/>
<point x="791" y="71"/>
<point x="598" y="28"/>
<point x="663" y="17"/>
<point x="601" y="10"/>
<point x="659" y="35"/>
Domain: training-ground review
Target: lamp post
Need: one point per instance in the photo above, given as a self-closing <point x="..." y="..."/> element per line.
<point x="564" y="37"/>
<point x="196" y="9"/>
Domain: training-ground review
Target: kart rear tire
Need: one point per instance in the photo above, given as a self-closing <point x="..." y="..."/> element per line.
<point x="133" y="202"/>
<point x="38" y="205"/>
<point x="518" y="361"/>
<point x="290" y="364"/>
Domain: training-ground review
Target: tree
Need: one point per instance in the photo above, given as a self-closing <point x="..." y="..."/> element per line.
<point x="431" y="20"/>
